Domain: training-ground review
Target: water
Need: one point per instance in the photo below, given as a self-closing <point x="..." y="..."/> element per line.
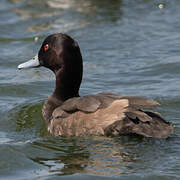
<point x="128" y="47"/>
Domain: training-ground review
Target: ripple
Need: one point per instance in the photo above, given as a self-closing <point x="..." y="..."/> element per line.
<point x="4" y="138"/>
<point x="24" y="121"/>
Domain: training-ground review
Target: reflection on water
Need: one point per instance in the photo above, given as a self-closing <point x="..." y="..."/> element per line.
<point x="100" y="155"/>
<point x="25" y="119"/>
<point x="91" y="155"/>
<point x="66" y="15"/>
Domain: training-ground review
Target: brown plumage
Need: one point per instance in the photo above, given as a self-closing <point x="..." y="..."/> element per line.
<point x="68" y="114"/>
<point x="108" y="114"/>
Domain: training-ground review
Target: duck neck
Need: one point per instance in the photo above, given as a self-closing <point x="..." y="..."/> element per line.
<point x="67" y="83"/>
<point x="67" y="86"/>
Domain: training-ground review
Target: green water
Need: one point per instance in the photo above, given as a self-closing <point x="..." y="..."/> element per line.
<point x="128" y="47"/>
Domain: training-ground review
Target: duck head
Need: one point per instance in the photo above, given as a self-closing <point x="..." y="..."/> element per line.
<point x="61" y="54"/>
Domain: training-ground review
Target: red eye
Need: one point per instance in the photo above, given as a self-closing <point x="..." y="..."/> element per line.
<point x="46" y="47"/>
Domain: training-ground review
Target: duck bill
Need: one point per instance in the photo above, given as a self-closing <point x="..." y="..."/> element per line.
<point x="34" y="62"/>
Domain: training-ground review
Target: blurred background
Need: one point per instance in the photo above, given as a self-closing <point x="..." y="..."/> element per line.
<point x="128" y="47"/>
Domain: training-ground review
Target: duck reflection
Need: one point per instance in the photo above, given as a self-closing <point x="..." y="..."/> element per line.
<point x="90" y="155"/>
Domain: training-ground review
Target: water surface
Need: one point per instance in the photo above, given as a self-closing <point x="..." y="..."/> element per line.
<point x="128" y="47"/>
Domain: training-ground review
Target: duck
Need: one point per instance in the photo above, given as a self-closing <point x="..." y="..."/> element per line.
<point x="66" y="113"/>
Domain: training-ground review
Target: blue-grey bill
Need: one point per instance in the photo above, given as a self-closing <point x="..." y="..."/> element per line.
<point x="34" y="62"/>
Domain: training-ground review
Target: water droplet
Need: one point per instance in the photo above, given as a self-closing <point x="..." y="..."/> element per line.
<point x="36" y="39"/>
<point x="161" y="6"/>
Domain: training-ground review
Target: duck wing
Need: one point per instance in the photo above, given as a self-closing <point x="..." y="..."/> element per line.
<point x="108" y="114"/>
